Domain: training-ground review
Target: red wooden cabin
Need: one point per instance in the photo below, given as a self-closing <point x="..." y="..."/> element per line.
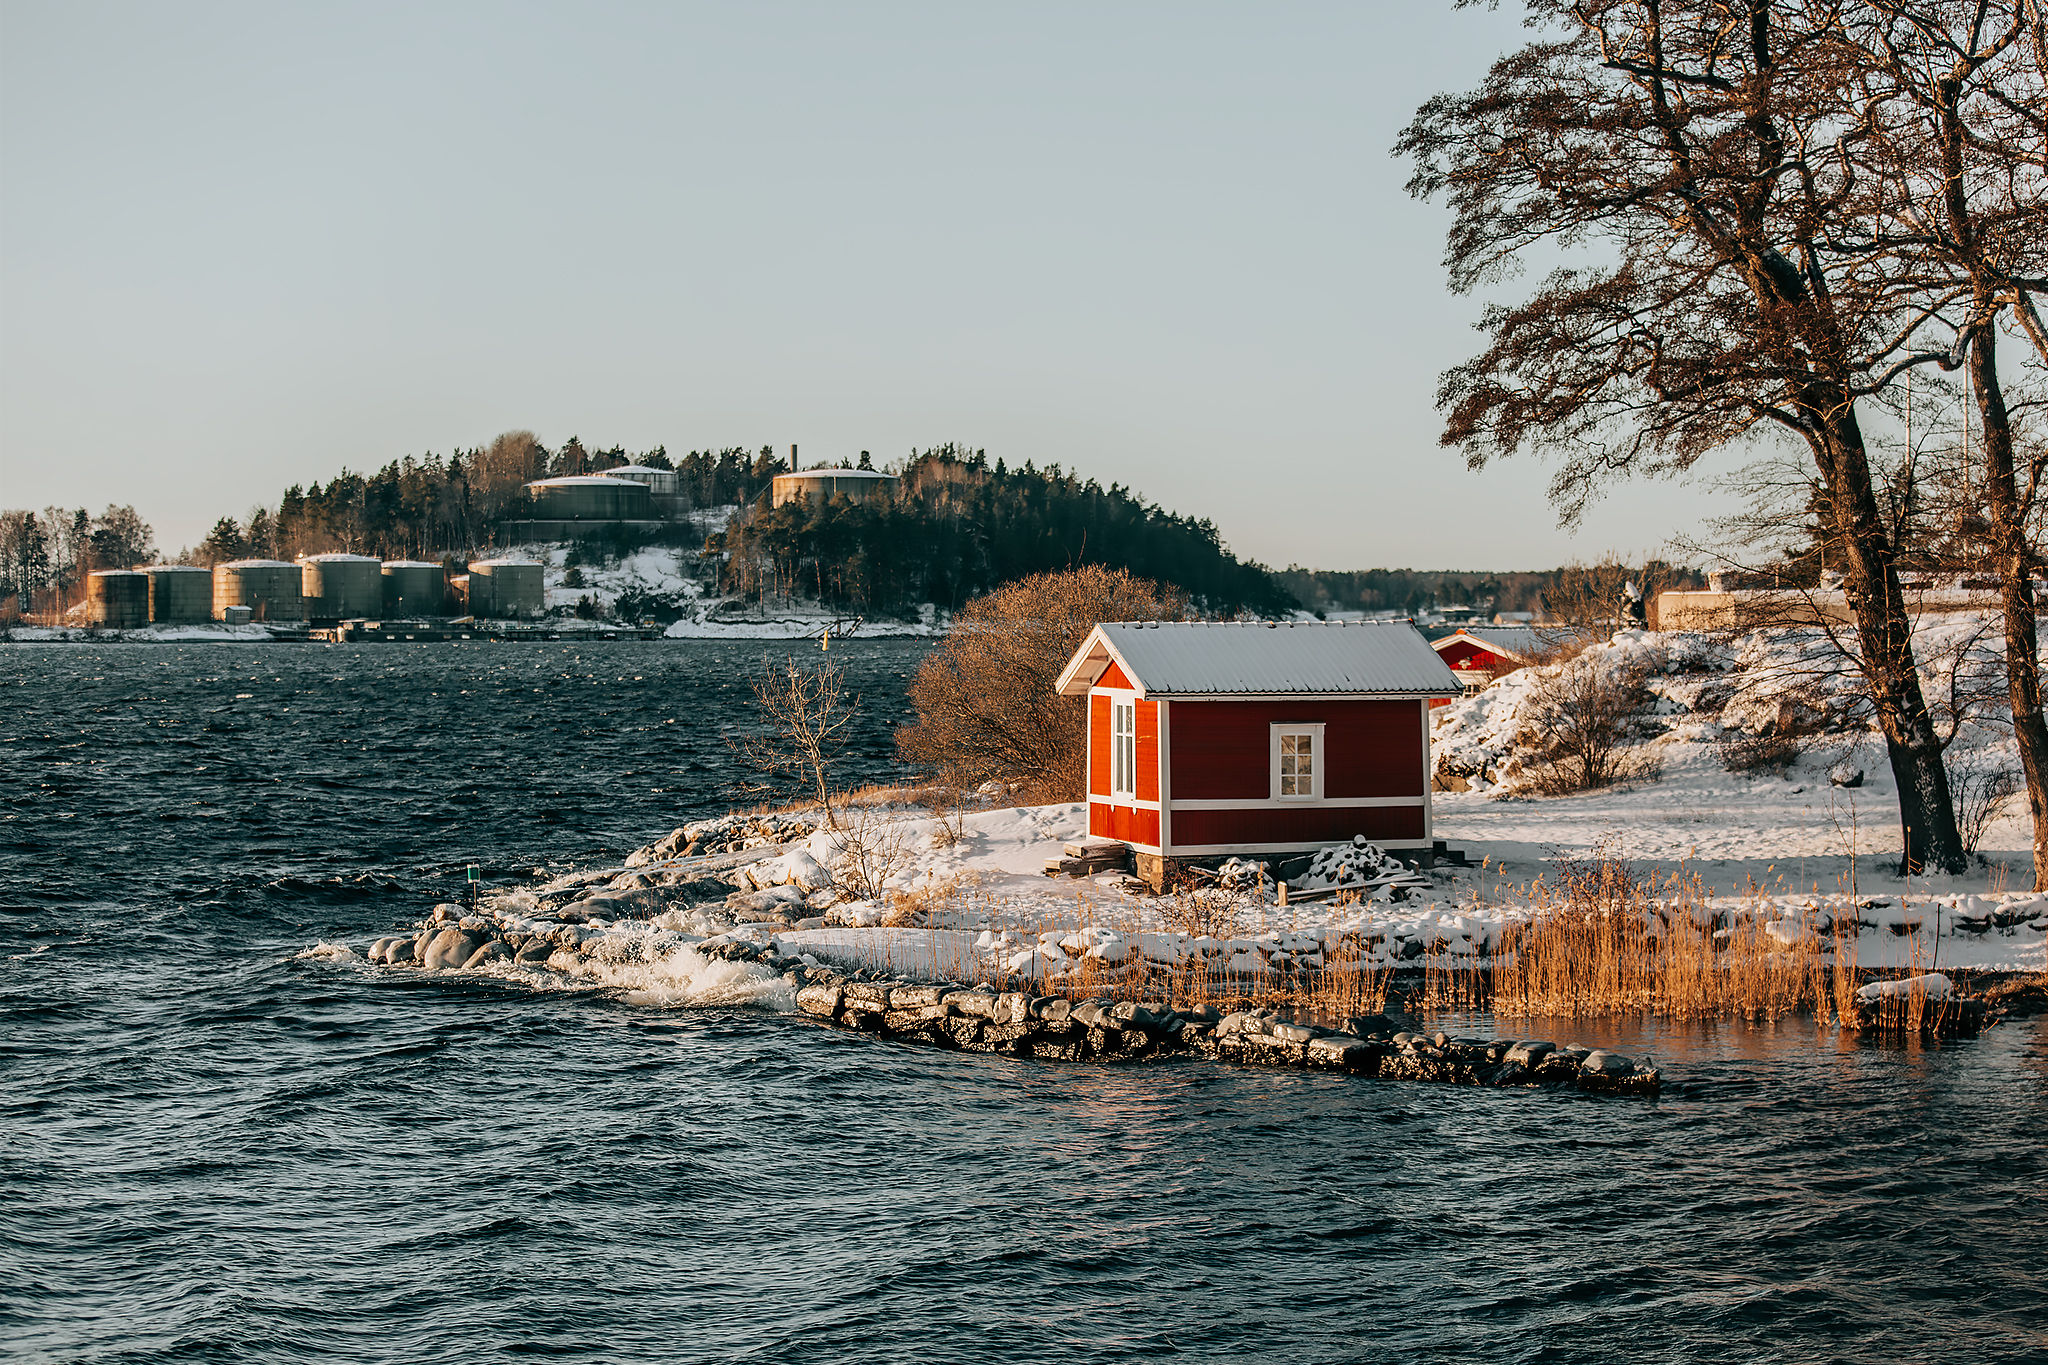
<point x="1254" y="738"/>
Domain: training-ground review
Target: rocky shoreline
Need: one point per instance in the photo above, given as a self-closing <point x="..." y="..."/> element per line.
<point x="980" y="1018"/>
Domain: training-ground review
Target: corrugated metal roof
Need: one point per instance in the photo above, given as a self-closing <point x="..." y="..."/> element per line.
<point x="1523" y="642"/>
<point x="1256" y="659"/>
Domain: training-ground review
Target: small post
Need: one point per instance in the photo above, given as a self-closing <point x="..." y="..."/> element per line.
<point x="475" y="875"/>
<point x="1283" y="893"/>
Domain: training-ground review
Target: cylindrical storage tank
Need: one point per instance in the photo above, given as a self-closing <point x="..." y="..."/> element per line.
<point x="270" y="588"/>
<point x="590" y="497"/>
<point x="822" y="485"/>
<point x="660" y="482"/>
<point x="338" y="586"/>
<point x="179" y="594"/>
<point x="118" y="598"/>
<point x="413" y="587"/>
<point x="505" y="587"/>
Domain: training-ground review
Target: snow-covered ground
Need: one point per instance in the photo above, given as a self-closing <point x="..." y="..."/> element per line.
<point x="204" y="631"/>
<point x="669" y="575"/>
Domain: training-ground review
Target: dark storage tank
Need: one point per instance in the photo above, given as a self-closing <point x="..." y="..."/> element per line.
<point x="590" y="497"/>
<point x="338" y="586"/>
<point x="506" y="587"/>
<point x="117" y="598"/>
<point x="271" y="589"/>
<point x="179" y="594"/>
<point x="414" y="587"/>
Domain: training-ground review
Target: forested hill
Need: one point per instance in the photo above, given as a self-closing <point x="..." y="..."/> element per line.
<point x="956" y="526"/>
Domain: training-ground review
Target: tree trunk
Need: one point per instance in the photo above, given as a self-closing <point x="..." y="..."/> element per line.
<point x="2013" y="555"/>
<point x="1927" y="818"/>
<point x="2012" y="552"/>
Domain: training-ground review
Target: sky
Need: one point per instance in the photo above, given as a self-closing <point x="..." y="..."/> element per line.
<point x="1165" y="245"/>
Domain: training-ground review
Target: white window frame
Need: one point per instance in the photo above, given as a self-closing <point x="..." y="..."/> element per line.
<point x="1123" y="747"/>
<point x="1319" y="758"/>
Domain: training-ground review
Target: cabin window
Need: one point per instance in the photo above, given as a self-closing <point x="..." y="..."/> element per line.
<point x="1123" y="748"/>
<point x="1298" y="760"/>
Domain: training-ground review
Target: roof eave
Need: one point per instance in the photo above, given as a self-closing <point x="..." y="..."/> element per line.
<point x="1405" y="694"/>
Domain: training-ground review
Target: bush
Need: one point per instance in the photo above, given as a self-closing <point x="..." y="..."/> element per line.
<point x="1582" y="725"/>
<point x="1981" y="794"/>
<point x="986" y="709"/>
<point x="1743" y="752"/>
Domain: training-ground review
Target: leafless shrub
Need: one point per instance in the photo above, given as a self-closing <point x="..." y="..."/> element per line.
<point x="807" y="714"/>
<point x="1743" y="752"/>
<point x="947" y="799"/>
<point x="1982" y="792"/>
<point x="926" y="901"/>
<point x="871" y="845"/>
<point x="1582" y="727"/>
<point x="1204" y="910"/>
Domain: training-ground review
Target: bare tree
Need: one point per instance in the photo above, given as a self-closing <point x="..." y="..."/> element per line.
<point x="1962" y="161"/>
<point x="985" y="703"/>
<point x="808" y="714"/>
<point x="1700" y="148"/>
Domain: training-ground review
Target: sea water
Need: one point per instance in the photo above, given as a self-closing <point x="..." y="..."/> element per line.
<point x="214" y="1148"/>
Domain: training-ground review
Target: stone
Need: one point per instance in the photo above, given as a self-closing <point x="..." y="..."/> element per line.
<point x="820" y="998"/>
<point x="398" y="953"/>
<point x="1292" y="1033"/>
<point x="1004" y="1037"/>
<point x="867" y="995"/>
<point x="537" y="950"/>
<point x="451" y="947"/>
<point x="1338" y="1051"/>
<point x="1529" y="1054"/>
<point x="565" y="960"/>
<point x="1845" y="775"/>
<point x="1369" y="1025"/>
<point x="914" y="997"/>
<point x="1052" y="1009"/>
<point x="978" y="1003"/>
<point x="965" y="1032"/>
<point x="1060" y="1049"/>
<point x="447" y="912"/>
<point x="491" y="952"/>
<point x="1010" y="1008"/>
<point x="1270" y="1051"/>
<point x="1132" y="1015"/>
<point x="920" y="1022"/>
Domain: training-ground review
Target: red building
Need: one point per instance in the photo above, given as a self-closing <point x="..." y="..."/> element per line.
<point x="1479" y="654"/>
<point x="1252" y="738"/>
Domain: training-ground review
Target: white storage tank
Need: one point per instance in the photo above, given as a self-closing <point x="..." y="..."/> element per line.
<point x="414" y="587"/>
<point x="271" y="589"/>
<point x="179" y="594"/>
<point x="662" y="483"/>
<point x="505" y="588"/>
<point x="117" y="598"/>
